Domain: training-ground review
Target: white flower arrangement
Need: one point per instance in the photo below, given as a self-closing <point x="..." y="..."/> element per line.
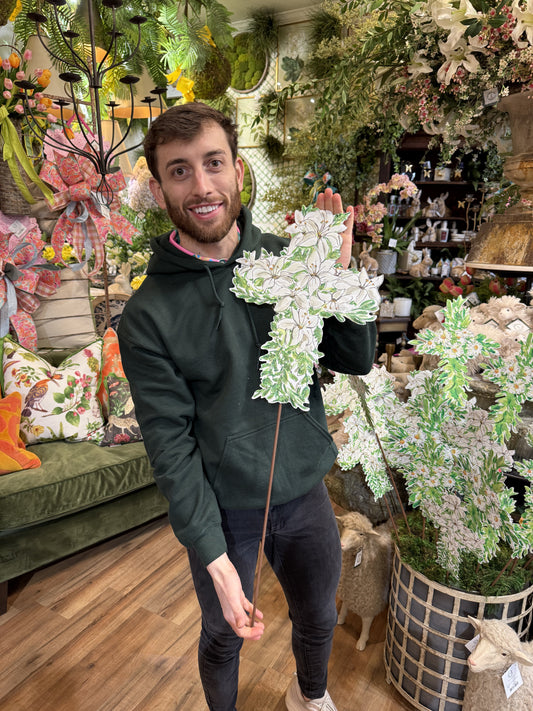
<point x="454" y="58"/>
<point x="306" y="284"/>
<point x="452" y="454"/>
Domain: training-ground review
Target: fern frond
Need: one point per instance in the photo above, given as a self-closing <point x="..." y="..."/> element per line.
<point x="187" y="48"/>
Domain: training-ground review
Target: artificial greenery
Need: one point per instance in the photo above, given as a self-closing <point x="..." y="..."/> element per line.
<point x="248" y="62"/>
<point x="272" y="146"/>
<point x="214" y="78"/>
<point x="5" y="11"/>
<point x="75" y="16"/>
<point x="264" y="28"/>
<point x="349" y="130"/>
<point x="247" y="192"/>
<point x="272" y="107"/>
<point x="418" y="548"/>
<point x="452" y="453"/>
<point x="326" y="27"/>
<point x="191" y="28"/>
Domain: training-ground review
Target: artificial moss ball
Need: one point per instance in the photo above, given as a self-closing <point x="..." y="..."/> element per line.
<point x="248" y="63"/>
<point x="214" y="78"/>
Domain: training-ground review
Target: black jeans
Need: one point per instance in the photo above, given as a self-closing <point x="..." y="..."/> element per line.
<point x="302" y="546"/>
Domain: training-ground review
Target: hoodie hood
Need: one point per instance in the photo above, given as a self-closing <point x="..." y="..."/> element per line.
<point x="166" y="259"/>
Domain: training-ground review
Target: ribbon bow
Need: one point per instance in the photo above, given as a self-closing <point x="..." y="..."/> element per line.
<point x="24" y="276"/>
<point x="13" y="150"/>
<point x="86" y="220"/>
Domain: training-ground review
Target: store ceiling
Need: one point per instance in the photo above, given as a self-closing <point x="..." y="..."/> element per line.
<point x="242" y="9"/>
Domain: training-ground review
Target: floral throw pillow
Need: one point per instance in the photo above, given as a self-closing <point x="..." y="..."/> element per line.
<point x="57" y="403"/>
<point x="111" y="363"/>
<point x="121" y="427"/>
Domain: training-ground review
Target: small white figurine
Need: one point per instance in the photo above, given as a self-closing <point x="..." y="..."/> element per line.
<point x="430" y="234"/>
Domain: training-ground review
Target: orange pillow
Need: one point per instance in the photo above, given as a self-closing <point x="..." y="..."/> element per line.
<point x="13" y="454"/>
<point x="111" y="363"/>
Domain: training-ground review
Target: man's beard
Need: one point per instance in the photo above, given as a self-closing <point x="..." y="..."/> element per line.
<point x="206" y="234"/>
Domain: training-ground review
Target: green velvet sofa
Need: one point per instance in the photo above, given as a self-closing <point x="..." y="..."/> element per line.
<point x="81" y="494"/>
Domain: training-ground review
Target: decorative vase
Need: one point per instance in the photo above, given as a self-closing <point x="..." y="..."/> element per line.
<point x="386" y="259"/>
<point x="506" y="241"/>
<point x="404" y="262"/>
<point x="427" y="628"/>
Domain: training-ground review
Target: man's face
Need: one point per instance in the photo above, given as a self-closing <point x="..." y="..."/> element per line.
<point x="200" y="185"/>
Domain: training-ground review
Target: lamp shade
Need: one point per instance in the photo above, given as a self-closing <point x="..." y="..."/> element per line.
<point x="110" y="131"/>
<point x="56" y="89"/>
<point x="140" y="111"/>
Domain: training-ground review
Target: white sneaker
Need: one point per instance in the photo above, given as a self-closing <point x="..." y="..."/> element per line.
<point x="296" y="702"/>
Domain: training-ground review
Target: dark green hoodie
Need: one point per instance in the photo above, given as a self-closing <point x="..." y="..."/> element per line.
<point x="191" y="349"/>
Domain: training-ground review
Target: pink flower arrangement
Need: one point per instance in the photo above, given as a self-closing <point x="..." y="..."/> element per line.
<point x="378" y="220"/>
<point x="13" y="69"/>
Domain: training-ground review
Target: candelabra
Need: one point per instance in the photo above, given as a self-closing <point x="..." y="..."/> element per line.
<point x="84" y="77"/>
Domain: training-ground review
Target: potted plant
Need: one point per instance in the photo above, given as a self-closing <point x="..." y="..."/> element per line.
<point x="380" y="220"/>
<point x="453" y="457"/>
<point x="421" y="293"/>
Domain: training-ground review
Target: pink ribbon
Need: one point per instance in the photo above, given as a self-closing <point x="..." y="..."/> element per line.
<point x="24" y="276"/>
<point x="85" y="222"/>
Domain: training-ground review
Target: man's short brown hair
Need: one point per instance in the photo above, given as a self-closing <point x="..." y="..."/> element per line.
<point x="184" y="122"/>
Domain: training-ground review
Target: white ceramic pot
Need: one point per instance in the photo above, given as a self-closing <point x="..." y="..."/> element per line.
<point x="402" y="306"/>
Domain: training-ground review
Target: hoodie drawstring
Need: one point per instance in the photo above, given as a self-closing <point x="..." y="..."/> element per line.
<point x="217" y="297"/>
<point x="259" y="345"/>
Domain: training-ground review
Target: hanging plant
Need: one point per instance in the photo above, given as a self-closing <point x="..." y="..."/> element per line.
<point x="189" y="40"/>
<point x="213" y="80"/>
<point x="273" y="147"/>
<point x="6" y="11"/>
<point x="264" y="28"/>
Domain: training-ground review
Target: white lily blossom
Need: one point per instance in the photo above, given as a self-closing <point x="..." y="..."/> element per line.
<point x="458" y="54"/>
<point x="446" y="15"/>
<point x="419" y="65"/>
<point x="524" y="22"/>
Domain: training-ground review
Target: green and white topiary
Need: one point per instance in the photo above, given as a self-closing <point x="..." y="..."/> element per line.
<point x="452" y="453"/>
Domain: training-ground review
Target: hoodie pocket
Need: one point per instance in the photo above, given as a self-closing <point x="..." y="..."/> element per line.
<point x="305" y="452"/>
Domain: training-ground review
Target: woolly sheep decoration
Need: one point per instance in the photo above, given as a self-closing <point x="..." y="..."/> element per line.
<point x="498" y="648"/>
<point x="366" y="570"/>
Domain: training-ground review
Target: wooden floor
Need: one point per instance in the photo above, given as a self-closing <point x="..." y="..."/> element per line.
<point x="115" y="629"/>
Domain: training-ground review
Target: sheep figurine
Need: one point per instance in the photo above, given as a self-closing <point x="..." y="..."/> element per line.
<point x="366" y="570"/>
<point x="498" y="648"/>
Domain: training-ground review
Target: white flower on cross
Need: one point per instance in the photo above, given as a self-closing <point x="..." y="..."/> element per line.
<point x="305" y="284"/>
